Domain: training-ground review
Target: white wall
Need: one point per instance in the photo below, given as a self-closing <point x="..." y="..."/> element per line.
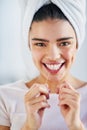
<point x="11" y="65"/>
<point x="11" y="62"/>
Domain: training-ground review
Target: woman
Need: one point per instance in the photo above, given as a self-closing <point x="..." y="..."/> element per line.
<point x="51" y="101"/>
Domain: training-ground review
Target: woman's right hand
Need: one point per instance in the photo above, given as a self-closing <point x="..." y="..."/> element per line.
<point x="35" y="103"/>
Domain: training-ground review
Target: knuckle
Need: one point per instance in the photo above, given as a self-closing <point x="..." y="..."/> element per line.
<point x="38" y="87"/>
<point x="43" y="97"/>
<point x="35" y="84"/>
<point x="42" y="104"/>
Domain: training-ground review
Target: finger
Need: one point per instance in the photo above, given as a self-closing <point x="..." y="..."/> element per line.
<point x="68" y="96"/>
<point x="36" y="90"/>
<point x="71" y="103"/>
<point x="69" y="91"/>
<point x="63" y="85"/>
<point x="38" y="99"/>
<point x="40" y="105"/>
<point x="68" y="85"/>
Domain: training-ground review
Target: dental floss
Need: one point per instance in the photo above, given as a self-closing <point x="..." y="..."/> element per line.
<point x="47" y="78"/>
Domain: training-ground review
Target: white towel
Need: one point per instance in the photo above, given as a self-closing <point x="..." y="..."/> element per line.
<point x="74" y="10"/>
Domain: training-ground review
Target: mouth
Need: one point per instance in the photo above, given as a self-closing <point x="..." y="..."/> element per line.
<point x="54" y="68"/>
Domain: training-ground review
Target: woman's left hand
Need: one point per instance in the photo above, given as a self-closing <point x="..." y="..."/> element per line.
<point x="69" y="102"/>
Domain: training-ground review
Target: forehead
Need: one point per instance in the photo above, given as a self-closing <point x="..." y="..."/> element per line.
<point x="52" y="28"/>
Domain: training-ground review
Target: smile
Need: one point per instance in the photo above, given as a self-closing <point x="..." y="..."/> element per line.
<point x="53" y="68"/>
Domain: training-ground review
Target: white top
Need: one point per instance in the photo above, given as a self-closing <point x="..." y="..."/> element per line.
<point x="13" y="114"/>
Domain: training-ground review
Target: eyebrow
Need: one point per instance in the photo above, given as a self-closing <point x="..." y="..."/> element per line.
<point x="58" y="40"/>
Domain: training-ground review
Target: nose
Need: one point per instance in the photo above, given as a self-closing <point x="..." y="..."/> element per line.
<point x="53" y="53"/>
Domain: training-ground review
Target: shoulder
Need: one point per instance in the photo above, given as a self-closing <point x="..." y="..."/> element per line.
<point x="12" y="89"/>
<point x="78" y="83"/>
<point x="15" y="85"/>
<point x="83" y="90"/>
<point x="83" y="86"/>
<point x="11" y="101"/>
<point x="12" y="96"/>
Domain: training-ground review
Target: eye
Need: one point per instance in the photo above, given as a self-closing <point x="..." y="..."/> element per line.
<point x="40" y="44"/>
<point x="64" y="44"/>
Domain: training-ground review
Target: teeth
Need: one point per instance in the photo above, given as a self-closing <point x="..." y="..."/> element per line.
<point x="53" y="67"/>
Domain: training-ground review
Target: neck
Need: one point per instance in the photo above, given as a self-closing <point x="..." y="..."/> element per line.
<point x="53" y="85"/>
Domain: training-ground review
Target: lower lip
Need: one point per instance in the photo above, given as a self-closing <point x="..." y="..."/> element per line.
<point x="54" y="71"/>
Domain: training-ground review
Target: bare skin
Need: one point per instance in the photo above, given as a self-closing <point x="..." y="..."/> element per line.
<point x="69" y="105"/>
<point x="50" y="50"/>
<point x="53" y="52"/>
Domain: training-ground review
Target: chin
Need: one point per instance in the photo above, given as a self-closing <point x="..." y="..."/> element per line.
<point x="57" y="78"/>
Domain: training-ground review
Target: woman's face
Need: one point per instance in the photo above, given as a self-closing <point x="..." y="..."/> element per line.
<point x="53" y="48"/>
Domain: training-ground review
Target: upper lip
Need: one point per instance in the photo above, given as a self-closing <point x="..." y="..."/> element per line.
<point x="53" y="66"/>
<point x="54" y="63"/>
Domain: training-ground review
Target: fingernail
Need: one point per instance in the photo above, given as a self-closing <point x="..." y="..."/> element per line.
<point x="47" y="96"/>
<point x="57" y="90"/>
<point x="49" y="90"/>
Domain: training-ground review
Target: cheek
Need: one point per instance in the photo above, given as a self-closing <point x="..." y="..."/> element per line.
<point x="36" y="55"/>
<point x="70" y="54"/>
<point x="73" y="54"/>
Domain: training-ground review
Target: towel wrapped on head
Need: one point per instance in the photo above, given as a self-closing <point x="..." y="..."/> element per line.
<point x="74" y="10"/>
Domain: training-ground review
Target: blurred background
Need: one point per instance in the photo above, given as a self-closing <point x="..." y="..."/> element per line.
<point x="12" y="67"/>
